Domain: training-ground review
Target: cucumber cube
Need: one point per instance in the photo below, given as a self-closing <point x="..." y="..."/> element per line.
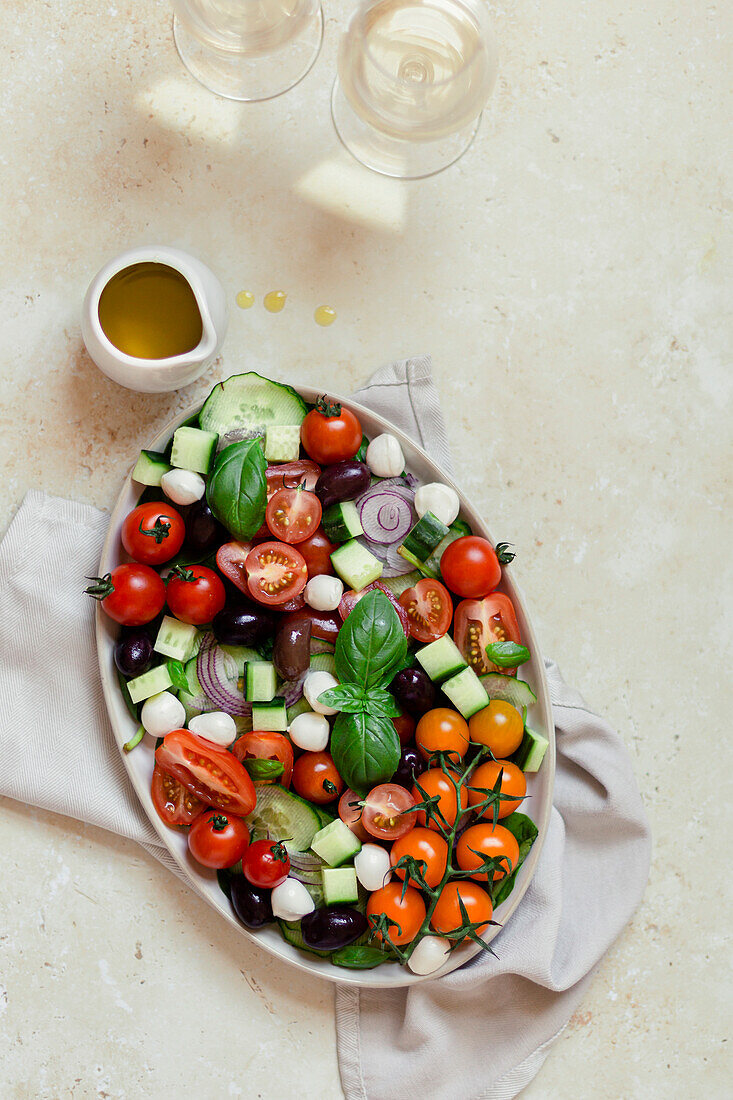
<point x="441" y="659"/>
<point x="149" y="468"/>
<point x="272" y="717"/>
<point x="150" y="683"/>
<point x="356" y="566"/>
<point x="176" y="639"/>
<point x="282" y="442"/>
<point x="339" y="885"/>
<point x="466" y="692"/>
<point x="341" y="522"/>
<point x="335" y="843"/>
<point x="194" y="449"/>
<point x="260" y="681"/>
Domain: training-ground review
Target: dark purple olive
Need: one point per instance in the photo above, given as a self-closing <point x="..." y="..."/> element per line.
<point x="342" y="481"/>
<point x="414" y="691"/>
<point x="332" y="927"/>
<point x="243" y="624"/>
<point x="203" y="532"/>
<point x="411" y="764"/>
<point x="291" y="654"/>
<point x="133" y="653"/>
<point x="251" y="904"/>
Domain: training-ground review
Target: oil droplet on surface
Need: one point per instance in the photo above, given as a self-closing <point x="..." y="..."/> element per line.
<point x="325" y="315"/>
<point x="245" y="299"/>
<point x="275" y="300"/>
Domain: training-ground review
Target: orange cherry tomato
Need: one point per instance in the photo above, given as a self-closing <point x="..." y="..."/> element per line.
<point x="486" y="841"/>
<point x="435" y="782"/>
<point x="447" y="916"/>
<point x="498" y="726"/>
<point x="442" y="730"/>
<point x="513" y="783"/>
<point x="426" y="845"/>
<point x="408" y="912"/>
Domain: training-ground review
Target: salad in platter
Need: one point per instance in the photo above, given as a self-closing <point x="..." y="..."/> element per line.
<point x="317" y="645"/>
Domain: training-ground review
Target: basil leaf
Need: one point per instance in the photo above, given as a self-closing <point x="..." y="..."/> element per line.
<point x="381" y="704"/>
<point x="507" y="654"/>
<point x="346" y="697"/>
<point x="524" y="830"/>
<point x="237" y="489"/>
<point x="365" y="750"/>
<point x="179" y="680"/>
<point x="263" y="769"/>
<point x="360" y="957"/>
<point x="371" y="644"/>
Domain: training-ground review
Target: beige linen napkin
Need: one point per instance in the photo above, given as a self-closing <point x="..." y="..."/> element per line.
<point x="481" y="1032"/>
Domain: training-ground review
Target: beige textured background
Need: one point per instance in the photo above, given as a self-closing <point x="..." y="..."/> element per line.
<point x="568" y="277"/>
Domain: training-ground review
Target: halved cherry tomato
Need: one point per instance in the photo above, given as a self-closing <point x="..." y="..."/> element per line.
<point x="289" y="475"/>
<point x="231" y="560"/>
<point x="442" y="730"/>
<point x="330" y="433"/>
<point x="316" y="777"/>
<point x="317" y="552"/>
<point x="407" y="911"/>
<point x="470" y="567"/>
<point x="426" y="845"/>
<point x="350" y="599"/>
<point x="218" y="840"/>
<point x="293" y="514"/>
<point x="213" y="775"/>
<point x="435" y="783"/>
<point x="261" y="745"/>
<point x="487" y="841"/>
<point x="386" y="814"/>
<point x="447" y="916"/>
<point x="131" y="594"/>
<point x="350" y="807"/>
<point x="480" y="623"/>
<point x="405" y="726"/>
<point x="153" y="533"/>
<point x="429" y="609"/>
<point x="276" y="573"/>
<point x="174" y="802"/>
<point x="483" y="781"/>
<point x="195" y="594"/>
<point x="498" y="726"/>
<point x="266" y="864"/>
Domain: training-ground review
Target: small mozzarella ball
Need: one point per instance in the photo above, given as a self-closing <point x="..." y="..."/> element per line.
<point x="384" y="456"/>
<point x="315" y="684"/>
<point x="429" y="955"/>
<point x="310" y="731"/>
<point x="324" y="593"/>
<point x="183" y="486"/>
<point x="439" y="499"/>
<point x="291" y="901"/>
<point x="162" y="713"/>
<point x="215" y="726"/>
<point x="372" y="866"/>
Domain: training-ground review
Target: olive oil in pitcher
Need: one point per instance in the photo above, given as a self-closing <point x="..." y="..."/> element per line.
<point x="149" y="311"/>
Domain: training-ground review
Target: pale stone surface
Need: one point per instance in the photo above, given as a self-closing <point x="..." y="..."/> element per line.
<point x="568" y="278"/>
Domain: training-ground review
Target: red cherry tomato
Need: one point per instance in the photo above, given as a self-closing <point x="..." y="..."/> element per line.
<point x="231" y="560"/>
<point x="386" y="814"/>
<point x="350" y="807"/>
<point x="405" y="908"/>
<point x="289" y="475"/>
<point x="131" y="594"/>
<point x="350" y="599"/>
<point x="266" y="863"/>
<point x="213" y="775"/>
<point x="405" y="726"/>
<point x="447" y="916"/>
<point x="260" y="745"/>
<point x="317" y="552"/>
<point x="330" y="433"/>
<point x="174" y="802"/>
<point x="316" y="778"/>
<point x="276" y="573"/>
<point x="218" y="840"/>
<point x="153" y="533"/>
<point x="480" y="623"/>
<point x="470" y="567"/>
<point x="195" y="594"/>
<point x="429" y="610"/>
<point x="293" y="514"/>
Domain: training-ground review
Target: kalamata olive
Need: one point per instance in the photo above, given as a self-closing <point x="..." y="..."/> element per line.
<point x="342" y="481"/>
<point x="414" y="690"/>
<point x="133" y="653"/>
<point x="332" y="926"/>
<point x="291" y="654"/>
<point x="410" y="765"/>
<point x="324" y="624"/>
<point x="250" y="903"/>
<point x="203" y="532"/>
<point x="243" y="624"/>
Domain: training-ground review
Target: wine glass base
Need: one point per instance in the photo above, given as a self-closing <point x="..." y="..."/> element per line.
<point x="246" y="79"/>
<point x="396" y="157"/>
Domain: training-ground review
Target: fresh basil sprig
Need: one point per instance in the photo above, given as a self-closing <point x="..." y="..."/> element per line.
<point x="507" y="654"/>
<point x="237" y="488"/>
<point x="371" y="644"/>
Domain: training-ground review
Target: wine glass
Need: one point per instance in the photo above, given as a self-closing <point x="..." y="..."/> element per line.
<point x="248" y="49"/>
<point x="413" y="78"/>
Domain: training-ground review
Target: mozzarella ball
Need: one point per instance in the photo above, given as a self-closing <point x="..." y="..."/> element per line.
<point x="162" y="713"/>
<point x="183" y="486"/>
<point x="310" y="731"/>
<point x="384" y="456"/>
<point x="315" y="684"/>
<point x="429" y="955"/>
<point x="324" y="593"/>
<point x="291" y="901"/>
<point x="439" y="499"/>
<point x="215" y="726"/>
<point x="372" y="866"/>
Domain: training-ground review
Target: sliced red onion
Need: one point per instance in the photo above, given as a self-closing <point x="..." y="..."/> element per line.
<point x="217" y="674"/>
<point x="292" y="690"/>
<point x="306" y="867"/>
<point x="394" y="565"/>
<point x="386" y="513"/>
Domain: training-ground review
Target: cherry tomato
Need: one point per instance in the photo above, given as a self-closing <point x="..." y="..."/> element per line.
<point x="153" y="533"/>
<point x="426" y="845"/>
<point x="317" y="552"/>
<point x="498" y="726"/>
<point x="289" y="475"/>
<point x="266" y="863"/>
<point x="276" y="573"/>
<point x="213" y="775"/>
<point x="174" y="802"/>
<point x="315" y="777"/>
<point x="447" y="916"/>
<point x="293" y="514"/>
<point x="407" y="912"/>
<point x="195" y="594"/>
<point x="231" y="561"/>
<point x="266" y="746"/>
<point x="131" y="594"/>
<point x="405" y="726"/>
<point x="490" y="842"/>
<point x="484" y="780"/>
<point x="330" y="433"/>
<point x="350" y="599"/>
<point x="435" y="782"/>
<point x="429" y="609"/>
<point x="470" y="567"/>
<point x="218" y="840"/>
<point x="481" y="622"/>
<point x="442" y="730"/>
<point x="386" y="814"/>
<point x="350" y="807"/>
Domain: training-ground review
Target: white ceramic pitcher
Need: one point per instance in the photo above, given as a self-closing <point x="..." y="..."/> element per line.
<point x="158" y="375"/>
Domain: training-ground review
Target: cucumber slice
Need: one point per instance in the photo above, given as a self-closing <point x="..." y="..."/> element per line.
<point x="335" y="843"/>
<point x="398" y="585"/>
<point x="356" y="566"/>
<point x="298" y="708"/>
<point x="245" y="405"/>
<point x="282" y="443"/>
<point x="194" y="449"/>
<point x="531" y="752"/>
<point x="241" y="654"/>
<point x="441" y="659"/>
<point x="423" y="539"/>
<point x="466" y="692"/>
<point x="510" y="689"/>
<point x="260" y="681"/>
<point x="150" y="683"/>
<point x="149" y="468"/>
<point x="291" y="933"/>
<point x="282" y="815"/>
<point x="341" y="522"/>
<point x="175" y="639"/>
